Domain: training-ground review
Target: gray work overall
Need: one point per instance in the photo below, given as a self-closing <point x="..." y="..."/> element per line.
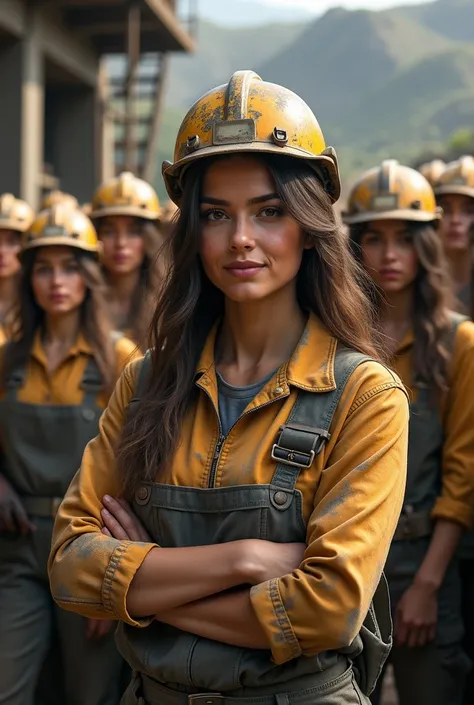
<point x="433" y="674"/>
<point x="173" y="667"/>
<point x="43" y="447"/>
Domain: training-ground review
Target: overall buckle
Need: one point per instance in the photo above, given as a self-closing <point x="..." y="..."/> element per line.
<point x="206" y="699"/>
<point x="298" y="445"/>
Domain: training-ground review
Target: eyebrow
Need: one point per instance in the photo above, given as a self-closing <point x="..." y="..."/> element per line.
<point x="251" y="202"/>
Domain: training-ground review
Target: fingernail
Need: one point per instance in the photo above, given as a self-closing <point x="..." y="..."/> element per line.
<point x="104" y="511"/>
<point x="107" y="498"/>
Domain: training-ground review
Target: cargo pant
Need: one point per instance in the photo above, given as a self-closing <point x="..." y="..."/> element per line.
<point x="433" y="674"/>
<point x="43" y="447"/>
<point x="173" y="667"/>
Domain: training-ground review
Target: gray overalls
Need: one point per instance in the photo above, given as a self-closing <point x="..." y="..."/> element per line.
<point x="434" y="674"/>
<point x="173" y="667"/>
<point x="43" y="447"/>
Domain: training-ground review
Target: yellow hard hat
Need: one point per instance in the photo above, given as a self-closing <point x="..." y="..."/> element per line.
<point x="57" y="196"/>
<point x="61" y="225"/>
<point x="391" y="192"/>
<point x="15" y="214"/>
<point x="126" y="195"/>
<point x="457" y="178"/>
<point x="432" y="170"/>
<point x="250" y="115"/>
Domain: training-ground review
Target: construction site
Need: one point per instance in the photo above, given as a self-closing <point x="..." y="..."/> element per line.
<point x="82" y="84"/>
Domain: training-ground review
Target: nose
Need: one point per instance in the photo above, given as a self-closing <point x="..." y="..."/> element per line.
<point x="57" y="277"/>
<point x="390" y="251"/>
<point x="242" y="237"/>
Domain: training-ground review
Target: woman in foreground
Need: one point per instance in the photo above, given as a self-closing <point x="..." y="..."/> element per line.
<point x="260" y="447"/>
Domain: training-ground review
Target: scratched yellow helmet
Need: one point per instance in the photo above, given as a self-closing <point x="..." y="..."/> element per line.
<point x="61" y="225"/>
<point x="250" y="115"/>
<point x="15" y="214"/>
<point x="432" y="170"/>
<point x="57" y="196"/>
<point x="457" y="178"/>
<point x="125" y="195"/>
<point x="391" y="192"/>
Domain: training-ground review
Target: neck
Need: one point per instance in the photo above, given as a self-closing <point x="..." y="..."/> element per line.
<point x="122" y="287"/>
<point x="460" y="269"/>
<point x="260" y="335"/>
<point x="397" y="314"/>
<point x="62" y="330"/>
<point x="8" y="293"/>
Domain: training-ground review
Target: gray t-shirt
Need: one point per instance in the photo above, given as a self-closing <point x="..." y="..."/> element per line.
<point x="233" y="400"/>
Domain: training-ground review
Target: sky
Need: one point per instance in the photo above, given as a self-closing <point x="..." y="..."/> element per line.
<point x="319" y="6"/>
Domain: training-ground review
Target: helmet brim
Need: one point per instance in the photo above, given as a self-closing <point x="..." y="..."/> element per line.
<point x="454" y="190"/>
<point x="325" y="166"/>
<point x="130" y="211"/>
<point x="403" y="214"/>
<point x="59" y="242"/>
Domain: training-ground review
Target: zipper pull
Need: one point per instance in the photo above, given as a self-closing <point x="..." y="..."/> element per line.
<point x="219" y="445"/>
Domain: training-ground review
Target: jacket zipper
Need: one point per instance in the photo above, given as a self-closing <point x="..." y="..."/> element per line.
<point x="222" y="439"/>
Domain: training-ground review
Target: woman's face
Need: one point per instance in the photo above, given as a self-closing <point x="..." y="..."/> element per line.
<point x="389" y="255"/>
<point x="249" y="246"/>
<point x="57" y="282"/>
<point x="9" y="250"/>
<point x="123" y="245"/>
<point x="457" y="222"/>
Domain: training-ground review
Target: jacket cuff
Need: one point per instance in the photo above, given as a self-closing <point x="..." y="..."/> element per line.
<point x="124" y="563"/>
<point x="452" y="510"/>
<point x="271" y="613"/>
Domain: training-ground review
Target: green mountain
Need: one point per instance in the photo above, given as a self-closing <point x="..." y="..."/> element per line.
<point x="388" y="83"/>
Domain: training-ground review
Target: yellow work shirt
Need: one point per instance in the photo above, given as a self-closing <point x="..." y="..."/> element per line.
<point x="351" y="509"/>
<point x="456" y="502"/>
<point x="63" y="385"/>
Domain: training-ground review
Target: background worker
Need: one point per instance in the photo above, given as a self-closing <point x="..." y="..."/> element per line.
<point x="126" y="213"/>
<point x="55" y="379"/>
<point x="393" y="220"/>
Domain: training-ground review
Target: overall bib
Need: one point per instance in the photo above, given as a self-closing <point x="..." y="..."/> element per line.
<point x="173" y="667"/>
<point x="433" y="674"/>
<point x="43" y="447"/>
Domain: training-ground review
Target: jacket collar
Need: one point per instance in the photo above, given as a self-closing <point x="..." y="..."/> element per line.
<point x="311" y="366"/>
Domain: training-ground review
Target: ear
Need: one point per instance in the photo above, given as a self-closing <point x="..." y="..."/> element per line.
<point x="308" y="243"/>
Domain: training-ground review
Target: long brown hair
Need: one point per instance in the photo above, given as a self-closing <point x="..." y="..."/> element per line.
<point x="152" y="272"/>
<point x="95" y="324"/>
<point x="190" y="304"/>
<point x="432" y="302"/>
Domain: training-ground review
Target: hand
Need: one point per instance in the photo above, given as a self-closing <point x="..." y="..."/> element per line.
<point x="265" y="560"/>
<point x="416" y="616"/>
<point x="121" y="523"/>
<point x="99" y="628"/>
<point x="13" y="516"/>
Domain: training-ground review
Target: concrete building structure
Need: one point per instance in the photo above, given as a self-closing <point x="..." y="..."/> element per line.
<point x="55" y="128"/>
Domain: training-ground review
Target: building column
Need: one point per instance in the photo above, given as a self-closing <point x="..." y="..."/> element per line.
<point x="32" y="118"/>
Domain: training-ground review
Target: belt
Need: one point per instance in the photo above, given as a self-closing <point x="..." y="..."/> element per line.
<point x="413" y="525"/>
<point x="42" y="506"/>
<point x="151" y="692"/>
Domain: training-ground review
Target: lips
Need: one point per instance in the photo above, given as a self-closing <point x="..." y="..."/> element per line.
<point x="390" y="273"/>
<point x="244" y="269"/>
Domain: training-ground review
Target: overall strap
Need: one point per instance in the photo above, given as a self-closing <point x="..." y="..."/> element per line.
<point x="14" y="382"/>
<point x="143" y="377"/>
<point x="92" y="383"/>
<point x="307" y="430"/>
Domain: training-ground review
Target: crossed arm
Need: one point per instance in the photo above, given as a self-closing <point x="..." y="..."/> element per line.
<point x="194" y="584"/>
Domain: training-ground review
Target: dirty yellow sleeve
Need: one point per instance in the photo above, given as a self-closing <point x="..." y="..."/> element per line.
<point x="321" y="606"/>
